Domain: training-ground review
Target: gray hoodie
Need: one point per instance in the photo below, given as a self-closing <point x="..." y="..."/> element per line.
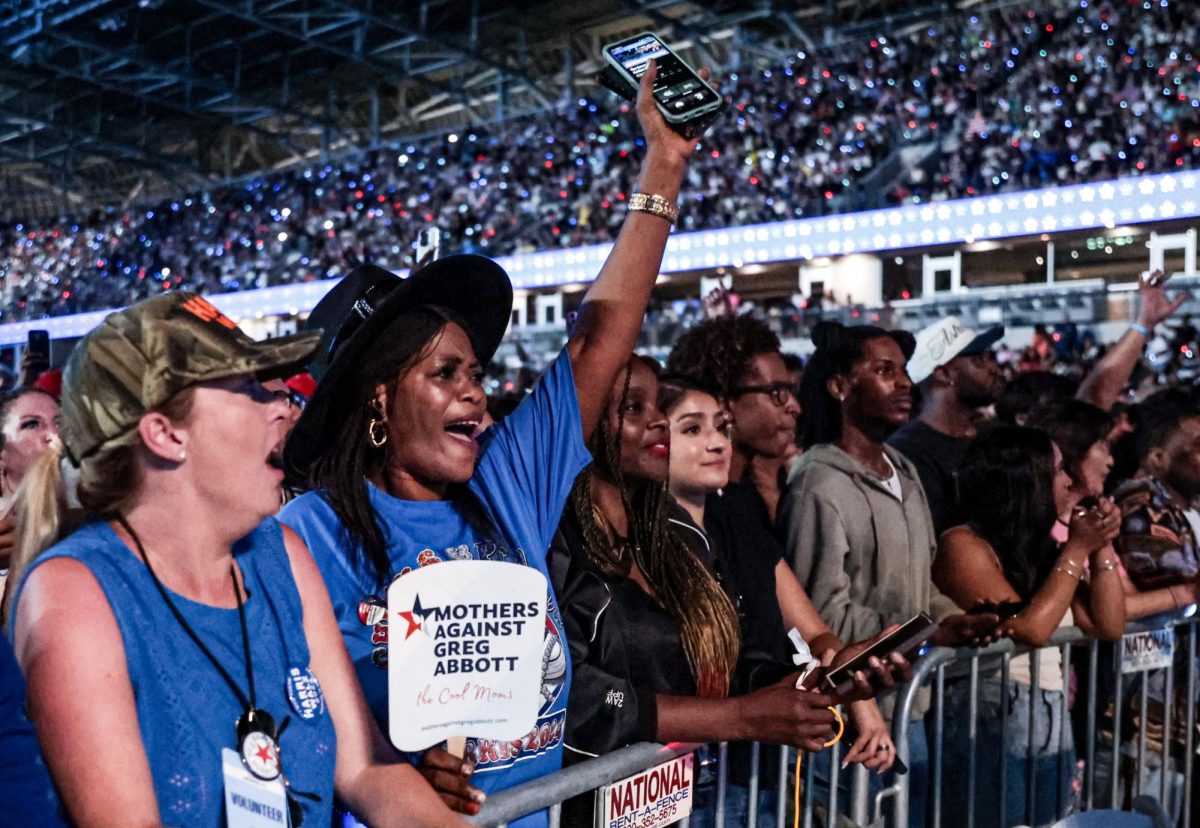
<point x="864" y="557"/>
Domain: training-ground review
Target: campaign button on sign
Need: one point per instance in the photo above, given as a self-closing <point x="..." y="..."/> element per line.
<point x="465" y="646"/>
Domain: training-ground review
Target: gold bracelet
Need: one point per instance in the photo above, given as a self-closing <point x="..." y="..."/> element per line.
<point x="1068" y="573"/>
<point x="655" y="205"/>
<point x="1107" y="566"/>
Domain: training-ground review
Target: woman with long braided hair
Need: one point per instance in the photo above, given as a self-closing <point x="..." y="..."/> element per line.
<point x="619" y="507"/>
<point x="654" y="638"/>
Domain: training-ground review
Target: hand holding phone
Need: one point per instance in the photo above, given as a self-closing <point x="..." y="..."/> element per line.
<point x="687" y="103"/>
<point x="905" y="641"/>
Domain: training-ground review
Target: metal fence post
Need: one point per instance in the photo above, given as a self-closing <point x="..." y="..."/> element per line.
<point x="783" y="798"/>
<point x="972" y="736"/>
<point x="722" y="783"/>
<point x="939" y="721"/>
<point x="752" y="806"/>
<point x="1190" y="718"/>
<point x="1092" y="724"/>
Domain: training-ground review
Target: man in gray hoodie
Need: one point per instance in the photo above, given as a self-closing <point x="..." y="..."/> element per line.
<point x="856" y="521"/>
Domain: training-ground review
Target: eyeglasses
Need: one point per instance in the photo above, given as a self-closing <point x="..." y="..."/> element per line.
<point x="779" y="392"/>
<point x="293" y="398"/>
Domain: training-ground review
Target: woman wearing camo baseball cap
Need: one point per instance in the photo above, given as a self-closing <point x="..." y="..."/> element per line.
<point x="182" y="658"/>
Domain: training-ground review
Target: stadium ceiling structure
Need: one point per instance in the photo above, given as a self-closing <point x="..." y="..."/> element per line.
<point x="110" y="102"/>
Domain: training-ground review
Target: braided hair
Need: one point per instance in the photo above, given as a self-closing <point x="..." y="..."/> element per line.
<point x="682" y="583"/>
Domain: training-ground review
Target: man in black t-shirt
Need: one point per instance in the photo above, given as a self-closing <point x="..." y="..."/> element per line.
<point x="958" y="375"/>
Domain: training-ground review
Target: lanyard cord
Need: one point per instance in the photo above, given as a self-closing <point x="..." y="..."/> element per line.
<point x="799" y="756"/>
<point x="247" y="703"/>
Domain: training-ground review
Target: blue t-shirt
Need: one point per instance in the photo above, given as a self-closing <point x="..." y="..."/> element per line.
<point x="186" y="711"/>
<point x="526" y="468"/>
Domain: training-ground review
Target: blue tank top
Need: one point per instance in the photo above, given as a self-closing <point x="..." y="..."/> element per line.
<point x="186" y="711"/>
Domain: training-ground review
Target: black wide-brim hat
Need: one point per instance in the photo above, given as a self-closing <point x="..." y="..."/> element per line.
<point x="358" y="309"/>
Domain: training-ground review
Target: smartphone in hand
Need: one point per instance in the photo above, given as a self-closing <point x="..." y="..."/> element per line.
<point x="687" y="103"/>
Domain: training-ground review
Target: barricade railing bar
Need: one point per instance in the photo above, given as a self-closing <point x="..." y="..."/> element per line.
<point x="1115" y="768"/>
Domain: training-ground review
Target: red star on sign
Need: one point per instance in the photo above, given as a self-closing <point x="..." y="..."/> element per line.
<point x="264" y="753"/>
<point x="410" y="617"/>
<point x="413" y="625"/>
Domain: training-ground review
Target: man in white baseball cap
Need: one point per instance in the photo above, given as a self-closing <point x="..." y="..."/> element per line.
<point x="957" y="374"/>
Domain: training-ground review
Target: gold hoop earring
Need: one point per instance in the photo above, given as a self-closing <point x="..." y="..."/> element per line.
<point x="377" y="430"/>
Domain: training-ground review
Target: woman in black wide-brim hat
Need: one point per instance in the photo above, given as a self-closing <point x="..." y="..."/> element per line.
<point x="403" y="475"/>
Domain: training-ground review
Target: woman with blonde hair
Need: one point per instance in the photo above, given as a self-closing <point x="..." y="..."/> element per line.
<point x="180" y="644"/>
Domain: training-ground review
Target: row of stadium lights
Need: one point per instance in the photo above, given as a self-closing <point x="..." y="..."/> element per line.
<point x="1077" y="207"/>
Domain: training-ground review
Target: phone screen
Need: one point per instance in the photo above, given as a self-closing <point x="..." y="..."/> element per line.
<point x="677" y="88"/>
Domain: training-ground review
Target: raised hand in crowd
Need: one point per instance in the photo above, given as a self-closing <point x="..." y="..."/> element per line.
<point x="1103" y="386"/>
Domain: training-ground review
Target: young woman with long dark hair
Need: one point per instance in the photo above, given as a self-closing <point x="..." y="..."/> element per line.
<point x="402" y="473"/>
<point x="745" y="556"/>
<point x="1083" y="433"/>
<point x="1011" y="485"/>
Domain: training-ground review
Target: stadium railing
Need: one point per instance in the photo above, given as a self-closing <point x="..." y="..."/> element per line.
<point x="1151" y="754"/>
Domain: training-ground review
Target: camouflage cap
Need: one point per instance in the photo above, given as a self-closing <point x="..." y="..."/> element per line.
<point x="140" y="357"/>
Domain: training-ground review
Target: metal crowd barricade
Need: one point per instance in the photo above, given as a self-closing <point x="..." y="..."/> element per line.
<point x="1126" y="773"/>
<point x="1126" y="769"/>
<point x="552" y="791"/>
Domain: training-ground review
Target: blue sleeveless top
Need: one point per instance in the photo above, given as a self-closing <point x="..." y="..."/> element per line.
<point x="186" y="711"/>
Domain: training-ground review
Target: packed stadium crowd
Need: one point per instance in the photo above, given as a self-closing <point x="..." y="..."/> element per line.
<point x="1019" y="96"/>
<point x="714" y="537"/>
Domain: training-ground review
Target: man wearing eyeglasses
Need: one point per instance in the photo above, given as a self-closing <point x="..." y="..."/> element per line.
<point x="957" y="375"/>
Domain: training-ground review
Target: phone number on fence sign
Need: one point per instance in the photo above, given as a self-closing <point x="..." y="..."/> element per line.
<point x="652" y="816"/>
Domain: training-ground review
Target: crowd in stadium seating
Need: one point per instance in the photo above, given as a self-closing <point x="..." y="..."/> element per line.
<point x="1069" y="92"/>
<point x="238" y="521"/>
<point x="1017" y="97"/>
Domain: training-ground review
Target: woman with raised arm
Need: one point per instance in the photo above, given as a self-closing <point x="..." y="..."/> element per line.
<point x="403" y="475"/>
<point x="180" y="650"/>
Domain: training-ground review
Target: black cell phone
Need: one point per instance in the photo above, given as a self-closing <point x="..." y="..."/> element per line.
<point x="908" y="641"/>
<point x="687" y="103"/>
<point x="38" y="346"/>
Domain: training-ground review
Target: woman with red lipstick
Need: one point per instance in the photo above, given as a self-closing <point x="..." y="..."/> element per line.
<point x="659" y="642"/>
<point x="402" y="474"/>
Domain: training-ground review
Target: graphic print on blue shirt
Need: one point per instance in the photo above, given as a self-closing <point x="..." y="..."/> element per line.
<point x="527" y="465"/>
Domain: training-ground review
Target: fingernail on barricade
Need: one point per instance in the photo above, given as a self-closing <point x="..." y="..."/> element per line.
<point x="1135" y="746"/>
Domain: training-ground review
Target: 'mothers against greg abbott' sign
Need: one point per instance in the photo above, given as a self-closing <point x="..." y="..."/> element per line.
<point x="465" y="652"/>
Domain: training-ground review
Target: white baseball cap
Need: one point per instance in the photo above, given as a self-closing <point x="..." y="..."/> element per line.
<point x="943" y="341"/>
